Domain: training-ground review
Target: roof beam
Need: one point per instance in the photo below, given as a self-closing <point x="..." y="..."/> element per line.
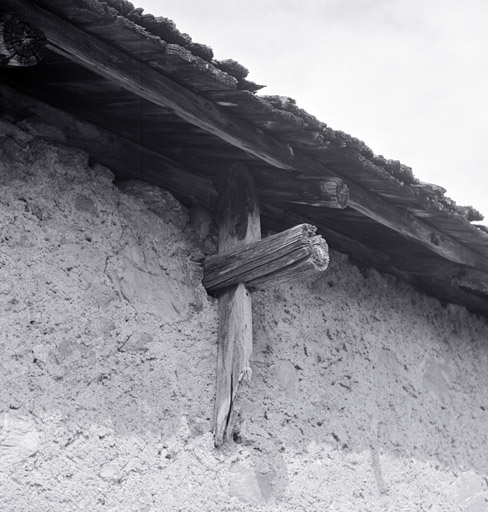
<point x="132" y="161"/>
<point x="128" y="159"/>
<point x="141" y="79"/>
<point x="458" y="284"/>
<point x="411" y="227"/>
<point x="325" y="192"/>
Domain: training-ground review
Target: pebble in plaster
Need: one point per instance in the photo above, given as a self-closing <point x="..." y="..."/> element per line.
<point x="286" y="375"/>
<point x="137" y="342"/>
<point x="250" y="486"/>
<point x="19" y="439"/>
<point x="111" y="471"/>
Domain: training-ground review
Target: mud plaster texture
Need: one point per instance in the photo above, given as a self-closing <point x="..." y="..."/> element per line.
<point x="365" y="396"/>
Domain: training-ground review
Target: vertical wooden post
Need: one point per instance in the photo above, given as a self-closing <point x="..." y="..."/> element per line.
<point x="239" y="224"/>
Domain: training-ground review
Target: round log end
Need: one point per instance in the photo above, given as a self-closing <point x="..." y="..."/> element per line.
<point x="319" y="253"/>
<point x="21" y="44"/>
<point x="342" y="195"/>
<point x="336" y="191"/>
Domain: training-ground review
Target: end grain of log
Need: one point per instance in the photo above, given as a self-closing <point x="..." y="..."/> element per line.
<point x="279" y="258"/>
<point x="327" y="193"/>
<point x="21" y="44"/>
<point x="336" y="190"/>
<point x="316" y="260"/>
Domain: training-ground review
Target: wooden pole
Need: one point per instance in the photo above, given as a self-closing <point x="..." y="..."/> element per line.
<point x="21" y="44"/>
<point x="239" y="224"/>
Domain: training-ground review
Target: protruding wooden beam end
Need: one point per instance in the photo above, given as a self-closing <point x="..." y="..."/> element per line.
<point x="21" y="44"/>
<point x="319" y="254"/>
<point x="322" y="192"/>
<point x="335" y="192"/>
<point x="280" y="258"/>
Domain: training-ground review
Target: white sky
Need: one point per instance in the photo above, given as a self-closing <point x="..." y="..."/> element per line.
<point x="408" y="77"/>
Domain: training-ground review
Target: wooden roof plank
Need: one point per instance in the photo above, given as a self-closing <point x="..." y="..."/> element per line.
<point x="115" y="65"/>
<point x="105" y="22"/>
<point x="456" y="283"/>
<point x="399" y="220"/>
<point x="132" y="161"/>
<point x="94" y="15"/>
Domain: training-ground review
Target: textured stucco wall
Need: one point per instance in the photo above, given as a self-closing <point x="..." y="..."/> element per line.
<point x="365" y="394"/>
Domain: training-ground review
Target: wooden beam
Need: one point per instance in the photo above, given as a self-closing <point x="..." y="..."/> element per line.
<point x="21" y="44"/>
<point x="466" y="286"/>
<point x="456" y="283"/>
<point x="277" y="218"/>
<point x="144" y="81"/>
<point x="141" y="79"/>
<point x="327" y="192"/>
<point x="388" y="215"/>
<point x="277" y="259"/>
<point x="239" y="224"/>
<point x="410" y="227"/>
<point x="135" y="162"/>
<point x="128" y="159"/>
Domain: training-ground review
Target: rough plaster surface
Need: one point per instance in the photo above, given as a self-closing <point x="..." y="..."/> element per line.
<point x="365" y="395"/>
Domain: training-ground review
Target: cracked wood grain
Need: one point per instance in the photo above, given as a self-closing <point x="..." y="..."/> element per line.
<point x="277" y="259"/>
<point x="21" y="44"/>
<point x="239" y="224"/>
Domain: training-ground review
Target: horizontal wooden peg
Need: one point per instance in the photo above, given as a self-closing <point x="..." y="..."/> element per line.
<point x="329" y="193"/>
<point x="21" y="44"/>
<point x="283" y="257"/>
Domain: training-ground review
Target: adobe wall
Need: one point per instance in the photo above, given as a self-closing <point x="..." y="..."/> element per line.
<point x="365" y="394"/>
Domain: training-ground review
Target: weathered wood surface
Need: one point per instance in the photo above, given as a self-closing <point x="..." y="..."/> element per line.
<point x="113" y="64"/>
<point x="21" y="44"/>
<point x="234" y="352"/>
<point x="283" y="125"/>
<point x="280" y="258"/>
<point x="446" y="280"/>
<point x="239" y="224"/>
<point x="329" y="192"/>
<point x="411" y="227"/>
<point x="134" y="162"/>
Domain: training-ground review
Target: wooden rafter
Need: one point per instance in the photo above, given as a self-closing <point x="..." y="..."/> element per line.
<point x="146" y="82"/>
<point x="412" y="228"/>
<point x="113" y="64"/>
<point x="128" y="159"/>
<point x="132" y="161"/>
